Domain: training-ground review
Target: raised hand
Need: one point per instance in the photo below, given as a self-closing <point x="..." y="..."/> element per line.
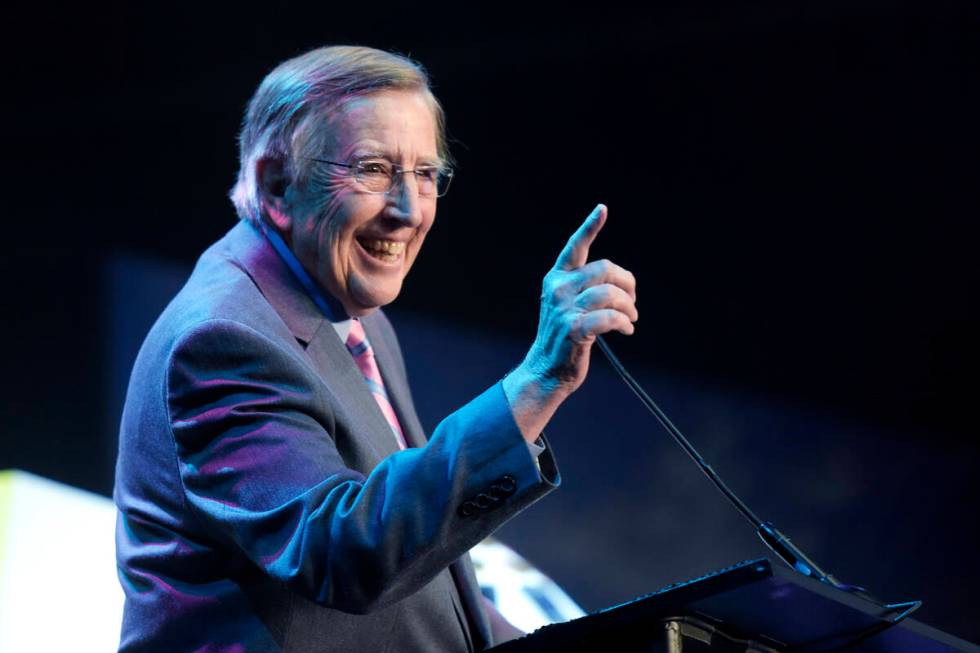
<point x="579" y="301"/>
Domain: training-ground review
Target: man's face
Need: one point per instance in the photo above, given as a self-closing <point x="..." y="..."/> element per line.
<point x="359" y="246"/>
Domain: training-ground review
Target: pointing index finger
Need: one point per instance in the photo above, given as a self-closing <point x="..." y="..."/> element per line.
<point x="576" y="251"/>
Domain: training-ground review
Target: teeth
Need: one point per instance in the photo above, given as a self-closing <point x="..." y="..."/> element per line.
<point x="390" y="247"/>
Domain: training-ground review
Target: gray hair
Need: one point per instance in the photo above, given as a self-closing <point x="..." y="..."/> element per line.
<point x="285" y="116"/>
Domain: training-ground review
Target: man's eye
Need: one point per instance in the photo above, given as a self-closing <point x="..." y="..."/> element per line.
<point x="375" y="168"/>
<point x="428" y="174"/>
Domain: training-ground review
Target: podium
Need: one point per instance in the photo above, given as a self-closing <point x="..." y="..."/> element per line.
<point x="750" y="607"/>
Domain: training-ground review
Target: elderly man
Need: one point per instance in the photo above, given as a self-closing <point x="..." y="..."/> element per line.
<point x="275" y="488"/>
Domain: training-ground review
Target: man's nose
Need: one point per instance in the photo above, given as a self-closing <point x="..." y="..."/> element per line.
<point x="403" y="199"/>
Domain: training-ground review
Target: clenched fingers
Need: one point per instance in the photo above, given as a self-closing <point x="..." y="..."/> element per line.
<point x="605" y="271"/>
<point x="608" y="295"/>
<point x="596" y="323"/>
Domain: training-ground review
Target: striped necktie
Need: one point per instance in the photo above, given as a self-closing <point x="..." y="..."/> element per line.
<point x="363" y="355"/>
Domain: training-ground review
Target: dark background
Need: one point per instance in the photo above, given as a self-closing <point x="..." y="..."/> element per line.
<point x="794" y="185"/>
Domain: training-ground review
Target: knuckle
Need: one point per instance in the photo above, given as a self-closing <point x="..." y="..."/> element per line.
<point x="603" y="294"/>
<point x="550" y="283"/>
<point x="599" y="296"/>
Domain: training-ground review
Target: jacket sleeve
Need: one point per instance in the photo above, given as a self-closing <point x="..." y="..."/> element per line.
<point x="255" y="442"/>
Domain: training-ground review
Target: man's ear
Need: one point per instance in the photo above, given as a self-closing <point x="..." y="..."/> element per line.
<point x="272" y="181"/>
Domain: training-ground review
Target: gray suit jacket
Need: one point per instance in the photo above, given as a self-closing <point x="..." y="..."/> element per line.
<point x="263" y="502"/>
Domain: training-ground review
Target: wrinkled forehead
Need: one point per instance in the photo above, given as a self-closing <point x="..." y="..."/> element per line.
<point x="406" y="118"/>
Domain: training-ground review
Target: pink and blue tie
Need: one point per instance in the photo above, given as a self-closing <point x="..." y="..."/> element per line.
<point x="363" y="355"/>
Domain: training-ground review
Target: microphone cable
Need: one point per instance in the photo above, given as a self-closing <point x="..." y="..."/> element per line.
<point x="777" y="542"/>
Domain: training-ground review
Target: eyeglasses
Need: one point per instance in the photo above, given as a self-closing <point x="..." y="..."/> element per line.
<point x="378" y="176"/>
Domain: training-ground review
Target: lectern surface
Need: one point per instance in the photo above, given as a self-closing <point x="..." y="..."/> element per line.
<point x="753" y="600"/>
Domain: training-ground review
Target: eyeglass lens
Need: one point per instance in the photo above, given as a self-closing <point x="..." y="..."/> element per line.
<point x="379" y="177"/>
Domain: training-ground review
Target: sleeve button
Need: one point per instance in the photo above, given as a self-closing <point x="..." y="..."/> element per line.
<point x="483" y="501"/>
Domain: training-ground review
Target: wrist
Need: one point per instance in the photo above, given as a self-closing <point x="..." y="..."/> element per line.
<point x="533" y="399"/>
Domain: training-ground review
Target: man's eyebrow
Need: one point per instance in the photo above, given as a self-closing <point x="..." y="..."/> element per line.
<point x="361" y="154"/>
<point x="430" y="162"/>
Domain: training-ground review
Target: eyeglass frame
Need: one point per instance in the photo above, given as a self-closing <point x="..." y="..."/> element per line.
<point x="443" y="171"/>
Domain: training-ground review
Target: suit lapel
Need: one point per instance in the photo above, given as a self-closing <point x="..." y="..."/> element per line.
<point x="345" y="382"/>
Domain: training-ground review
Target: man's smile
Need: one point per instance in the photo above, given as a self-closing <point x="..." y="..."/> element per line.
<point x="388" y="251"/>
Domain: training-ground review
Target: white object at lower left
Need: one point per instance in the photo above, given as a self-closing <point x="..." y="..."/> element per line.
<point x="58" y="585"/>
